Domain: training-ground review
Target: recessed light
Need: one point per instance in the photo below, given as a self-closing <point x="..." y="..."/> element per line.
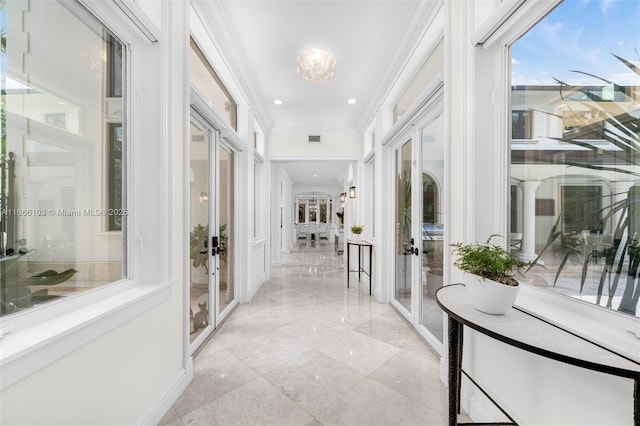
<point x="351" y="101"/>
<point x="315" y="175"/>
<point x="277" y="101"/>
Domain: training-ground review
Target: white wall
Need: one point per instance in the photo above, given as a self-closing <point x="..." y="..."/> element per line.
<point x="131" y="373"/>
<point x="335" y="143"/>
<point x="258" y="267"/>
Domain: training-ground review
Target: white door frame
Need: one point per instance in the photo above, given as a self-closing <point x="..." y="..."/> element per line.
<point x="410" y="130"/>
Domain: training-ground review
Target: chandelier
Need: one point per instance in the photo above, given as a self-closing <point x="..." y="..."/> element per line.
<point x="315" y="64"/>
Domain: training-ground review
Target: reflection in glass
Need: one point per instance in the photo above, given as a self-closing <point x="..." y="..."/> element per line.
<point x="61" y="161"/>
<point x="206" y="81"/>
<point x="432" y="146"/>
<point x="199" y="257"/>
<point x="575" y="195"/>
<point x="403" y="226"/>
<point x="226" y="163"/>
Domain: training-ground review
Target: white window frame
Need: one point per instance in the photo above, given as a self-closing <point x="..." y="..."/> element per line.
<point x="611" y="329"/>
<point x="34" y="338"/>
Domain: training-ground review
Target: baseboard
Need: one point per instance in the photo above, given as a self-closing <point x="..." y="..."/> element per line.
<point x="157" y="411"/>
<point x="479" y="407"/>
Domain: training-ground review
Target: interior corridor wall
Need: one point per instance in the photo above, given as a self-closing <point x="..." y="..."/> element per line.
<point x="339" y="143"/>
<point x="131" y="373"/>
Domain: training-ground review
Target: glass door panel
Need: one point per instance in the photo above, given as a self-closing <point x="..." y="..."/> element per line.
<point x="403" y="241"/>
<point x="199" y="214"/>
<point x="432" y="160"/>
<point x="226" y="215"/>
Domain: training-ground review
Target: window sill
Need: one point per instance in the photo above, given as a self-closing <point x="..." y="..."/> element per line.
<point x="46" y="333"/>
<point x="617" y="332"/>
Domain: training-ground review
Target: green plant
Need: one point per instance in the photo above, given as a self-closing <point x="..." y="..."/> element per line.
<point x="198" y="252"/>
<point x="357" y="229"/>
<point x="16" y="292"/>
<point x="488" y="260"/>
<point x="621" y="129"/>
<point x="341" y="217"/>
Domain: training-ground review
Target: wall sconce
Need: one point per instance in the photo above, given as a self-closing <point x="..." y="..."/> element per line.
<point x="204" y="197"/>
<point x="343" y="197"/>
<point x="352" y="192"/>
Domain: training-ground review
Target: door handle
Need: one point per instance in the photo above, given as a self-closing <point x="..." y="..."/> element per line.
<point x="215" y="249"/>
<point x="412" y="250"/>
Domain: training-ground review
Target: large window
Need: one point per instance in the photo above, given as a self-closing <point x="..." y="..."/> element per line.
<point x="312" y="209"/>
<point x="62" y="139"/>
<point x="211" y="88"/>
<point x="575" y="98"/>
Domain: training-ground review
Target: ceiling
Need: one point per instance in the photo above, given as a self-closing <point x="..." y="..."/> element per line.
<point x="316" y="173"/>
<point x="371" y="41"/>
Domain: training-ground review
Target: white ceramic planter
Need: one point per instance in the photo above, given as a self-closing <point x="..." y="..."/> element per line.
<point x="489" y="296"/>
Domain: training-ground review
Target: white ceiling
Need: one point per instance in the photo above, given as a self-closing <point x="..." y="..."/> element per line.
<point x="371" y="41"/>
<point x="316" y="173"/>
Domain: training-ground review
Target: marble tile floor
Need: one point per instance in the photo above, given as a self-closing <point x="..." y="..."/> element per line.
<point x="309" y="351"/>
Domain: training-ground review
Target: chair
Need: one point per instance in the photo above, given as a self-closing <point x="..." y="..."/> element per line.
<point x="322" y="232"/>
<point x="302" y="231"/>
<point x="515" y="241"/>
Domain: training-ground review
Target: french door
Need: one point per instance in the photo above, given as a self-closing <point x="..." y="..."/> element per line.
<point x="419" y="215"/>
<point x="211" y="230"/>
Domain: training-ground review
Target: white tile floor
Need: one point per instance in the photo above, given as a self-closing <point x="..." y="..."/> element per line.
<point x="309" y="351"/>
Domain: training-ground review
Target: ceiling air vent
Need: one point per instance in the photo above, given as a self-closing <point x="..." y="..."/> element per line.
<point x="314" y="138"/>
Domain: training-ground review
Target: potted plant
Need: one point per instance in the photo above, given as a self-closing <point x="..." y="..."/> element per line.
<point x="490" y="280"/>
<point x="356" y="230"/>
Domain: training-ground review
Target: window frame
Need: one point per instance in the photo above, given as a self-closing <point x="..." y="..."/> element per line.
<point x="605" y="327"/>
<point x="34" y="338"/>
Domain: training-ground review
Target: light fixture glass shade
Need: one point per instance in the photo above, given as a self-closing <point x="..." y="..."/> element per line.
<point x="316" y="65"/>
<point x="343" y="197"/>
<point x="352" y="192"/>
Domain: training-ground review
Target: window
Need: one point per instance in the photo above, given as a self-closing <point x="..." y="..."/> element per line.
<point x="259" y="181"/>
<point x="302" y="211"/>
<point x="115" y="178"/>
<point x="207" y="82"/>
<point x="61" y="124"/>
<point x="323" y="211"/>
<point x="427" y="73"/>
<point x="520" y="125"/>
<point x="115" y="140"/>
<point x="313" y="210"/>
<point x="584" y="163"/>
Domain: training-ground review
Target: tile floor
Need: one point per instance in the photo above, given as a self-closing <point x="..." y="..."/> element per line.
<point x="309" y="351"/>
